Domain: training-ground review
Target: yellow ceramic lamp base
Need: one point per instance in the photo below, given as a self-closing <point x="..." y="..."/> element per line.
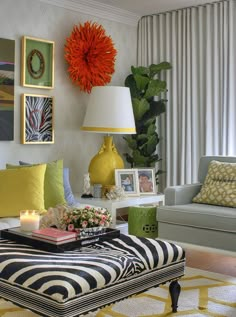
<point x="103" y="164"/>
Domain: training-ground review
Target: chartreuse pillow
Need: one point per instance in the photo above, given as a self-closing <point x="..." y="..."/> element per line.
<point x="21" y="189"/>
<point x="53" y="184"/>
<point x="219" y="187"/>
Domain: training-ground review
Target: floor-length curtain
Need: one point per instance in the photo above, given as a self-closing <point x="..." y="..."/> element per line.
<point x="200" y="43"/>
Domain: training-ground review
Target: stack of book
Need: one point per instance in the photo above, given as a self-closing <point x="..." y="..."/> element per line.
<point x="55" y="236"/>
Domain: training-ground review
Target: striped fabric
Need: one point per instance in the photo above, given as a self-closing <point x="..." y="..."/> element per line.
<point x="71" y="283"/>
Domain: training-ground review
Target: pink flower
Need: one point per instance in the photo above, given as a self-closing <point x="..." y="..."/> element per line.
<point x="71" y="227"/>
<point x="102" y="223"/>
<point x="84" y="224"/>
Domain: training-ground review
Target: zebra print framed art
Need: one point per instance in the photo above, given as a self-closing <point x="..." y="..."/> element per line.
<point x="37" y="69"/>
<point x="37" y="119"/>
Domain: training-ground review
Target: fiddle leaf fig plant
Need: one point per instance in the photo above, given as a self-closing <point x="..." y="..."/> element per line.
<point x="146" y="90"/>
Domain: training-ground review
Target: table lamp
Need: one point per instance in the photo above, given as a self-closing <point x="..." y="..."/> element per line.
<point x="109" y="111"/>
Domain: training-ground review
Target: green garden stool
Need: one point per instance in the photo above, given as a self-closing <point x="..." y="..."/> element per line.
<point x="142" y="221"/>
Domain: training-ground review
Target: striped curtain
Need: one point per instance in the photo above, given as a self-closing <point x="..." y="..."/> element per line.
<point x="200" y="43"/>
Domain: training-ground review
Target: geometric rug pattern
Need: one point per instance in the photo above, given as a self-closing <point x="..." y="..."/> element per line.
<point x="202" y="294"/>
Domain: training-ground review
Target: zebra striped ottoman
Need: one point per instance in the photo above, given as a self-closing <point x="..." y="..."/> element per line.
<point x="75" y="282"/>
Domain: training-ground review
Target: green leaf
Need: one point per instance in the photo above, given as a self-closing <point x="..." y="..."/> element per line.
<point x="151" y="129"/>
<point x="152" y="144"/>
<point x="132" y="143"/>
<point x="141" y="70"/>
<point x="141" y="82"/>
<point x="140" y="107"/>
<point x="156" y="108"/>
<point x="139" y="160"/>
<point x="157" y="68"/>
<point x="131" y="83"/>
<point x="155" y="88"/>
<point x="149" y="121"/>
<point x="142" y="137"/>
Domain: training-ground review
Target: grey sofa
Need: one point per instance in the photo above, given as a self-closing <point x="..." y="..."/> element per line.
<point x="206" y="225"/>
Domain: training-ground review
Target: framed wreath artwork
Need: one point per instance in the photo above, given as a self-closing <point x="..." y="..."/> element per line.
<point x="37" y="63"/>
<point x="37" y="119"/>
<point x="90" y="54"/>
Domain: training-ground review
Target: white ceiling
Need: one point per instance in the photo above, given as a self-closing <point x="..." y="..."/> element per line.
<point x="145" y="7"/>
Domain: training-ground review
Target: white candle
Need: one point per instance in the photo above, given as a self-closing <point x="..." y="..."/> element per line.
<point x="29" y="220"/>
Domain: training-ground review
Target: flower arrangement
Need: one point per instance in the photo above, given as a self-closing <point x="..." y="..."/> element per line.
<point x="75" y="219"/>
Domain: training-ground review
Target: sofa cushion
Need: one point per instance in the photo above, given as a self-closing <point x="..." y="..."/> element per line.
<point x="53" y="185"/>
<point x="21" y="189"/>
<point x="200" y="216"/>
<point x="219" y="187"/>
<point x="69" y="196"/>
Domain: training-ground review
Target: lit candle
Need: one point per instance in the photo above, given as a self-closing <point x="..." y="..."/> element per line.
<point x="29" y="220"/>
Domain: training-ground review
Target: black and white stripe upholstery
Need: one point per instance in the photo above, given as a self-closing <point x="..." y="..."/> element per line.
<point x="71" y="283"/>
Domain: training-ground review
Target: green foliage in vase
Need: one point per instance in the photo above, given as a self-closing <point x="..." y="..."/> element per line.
<point x="146" y="90"/>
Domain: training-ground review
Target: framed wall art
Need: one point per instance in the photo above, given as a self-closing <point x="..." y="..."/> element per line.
<point x="128" y="180"/>
<point x="37" y="119"/>
<point x="147" y="181"/>
<point x="37" y="69"/>
<point x="7" y="69"/>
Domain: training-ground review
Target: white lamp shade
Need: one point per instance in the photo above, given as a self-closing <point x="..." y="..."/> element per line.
<point x="109" y="111"/>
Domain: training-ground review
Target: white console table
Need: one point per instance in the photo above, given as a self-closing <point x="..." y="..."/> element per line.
<point x="113" y="205"/>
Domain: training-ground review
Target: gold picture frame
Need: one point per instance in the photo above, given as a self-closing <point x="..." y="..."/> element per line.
<point x="37" y="125"/>
<point x="37" y="69"/>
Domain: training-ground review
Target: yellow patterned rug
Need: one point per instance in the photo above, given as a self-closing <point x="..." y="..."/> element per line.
<point x="203" y="294"/>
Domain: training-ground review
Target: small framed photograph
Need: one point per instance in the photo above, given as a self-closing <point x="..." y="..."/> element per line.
<point x="37" y="119"/>
<point x="147" y="181"/>
<point x="128" y="180"/>
<point x="37" y="69"/>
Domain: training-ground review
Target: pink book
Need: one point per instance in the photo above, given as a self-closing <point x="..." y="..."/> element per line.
<point x="54" y="234"/>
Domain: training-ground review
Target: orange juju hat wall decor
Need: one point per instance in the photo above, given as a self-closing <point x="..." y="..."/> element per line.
<point x="90" y="54"/>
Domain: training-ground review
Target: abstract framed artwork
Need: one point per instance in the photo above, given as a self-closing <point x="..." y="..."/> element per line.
<point x="37" y="69"/>
<point x="37" y="119"/>
<point x="7" y="69"/>
<point x="147" y="181"/>
<point x="128" y="180"/>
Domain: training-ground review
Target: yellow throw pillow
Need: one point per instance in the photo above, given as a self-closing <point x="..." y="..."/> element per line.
<point x="21" y="189"/>
<point x="53" y="184"/>
<point x="219" y="187"/>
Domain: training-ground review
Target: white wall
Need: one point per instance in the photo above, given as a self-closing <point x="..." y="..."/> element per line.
<point x="37" y="19"/>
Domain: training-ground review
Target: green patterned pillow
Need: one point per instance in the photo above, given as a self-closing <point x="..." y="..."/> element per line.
<point x="219" y="187"/>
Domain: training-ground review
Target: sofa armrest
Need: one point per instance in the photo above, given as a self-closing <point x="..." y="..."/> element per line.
<point x="181" y="195"/>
